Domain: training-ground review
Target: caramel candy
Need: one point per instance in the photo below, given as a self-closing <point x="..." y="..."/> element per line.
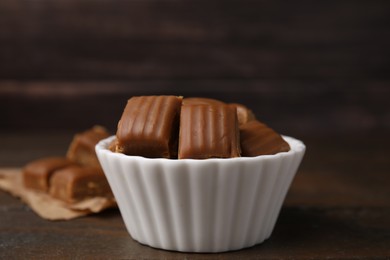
<point x="244" y="114"/>
<point x="149" y="127"/>
<point x="208" y="131"/>
<point x="201" y="101"/>
<point x="112" y="145"/>
<point x="36" y="174"/>
<point x="82" y="148"/>
<point x="258" y="139"/>
<point x="75" y="183"/>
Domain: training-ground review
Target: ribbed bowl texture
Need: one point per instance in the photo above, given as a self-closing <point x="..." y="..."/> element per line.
<point x="211" y="205"/>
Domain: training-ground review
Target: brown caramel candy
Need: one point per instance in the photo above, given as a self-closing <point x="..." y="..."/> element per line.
<point x="82" y="148"/>
<point x="149" y="127"/>
<point x="201" y="101"/>
<point x="258" y="139"/>
<point x="76" y="183"/>
<point x="36" y="174"/>
<point x="112" y="145"/>
<point x="208" y="131"/>
<point x="244" y="114"/>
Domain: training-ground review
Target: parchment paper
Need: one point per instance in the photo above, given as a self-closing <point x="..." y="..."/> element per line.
<point x="46" y="206"/>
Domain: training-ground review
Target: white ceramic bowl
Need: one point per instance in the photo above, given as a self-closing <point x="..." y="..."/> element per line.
<point x="211" y="205"/>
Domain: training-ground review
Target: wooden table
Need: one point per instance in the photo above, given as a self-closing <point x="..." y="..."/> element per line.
<point x="337" y="208"/>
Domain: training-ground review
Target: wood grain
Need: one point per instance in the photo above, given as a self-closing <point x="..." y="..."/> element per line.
<point x="297" y="108"/>
<point x="193" y="39"/>
<point x="304" y="67"/>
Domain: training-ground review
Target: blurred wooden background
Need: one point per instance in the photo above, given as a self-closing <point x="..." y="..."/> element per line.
<point x="304" y="67"/>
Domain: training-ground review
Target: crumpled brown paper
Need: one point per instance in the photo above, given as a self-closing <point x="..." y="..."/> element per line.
<point x="46" y="206"/>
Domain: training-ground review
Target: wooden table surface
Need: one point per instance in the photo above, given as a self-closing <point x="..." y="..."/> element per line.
<point x="338" y="207"/>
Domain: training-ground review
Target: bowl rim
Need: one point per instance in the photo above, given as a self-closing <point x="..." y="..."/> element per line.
<point x="297" y="146"/>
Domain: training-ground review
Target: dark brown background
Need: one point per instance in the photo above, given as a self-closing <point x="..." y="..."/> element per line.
<point x="316" y="70"/>
<point x="305" y="67"/>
